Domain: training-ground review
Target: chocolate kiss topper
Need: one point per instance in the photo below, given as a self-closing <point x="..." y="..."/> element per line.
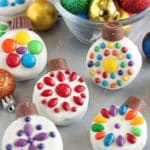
<point x="113" y="31"/>
<point x="136" y="103"/>
<point x="7" y="88"/>
<point x="26" y="109"/>
<point x="57" y="64"/>
<point x="20" y="22"/>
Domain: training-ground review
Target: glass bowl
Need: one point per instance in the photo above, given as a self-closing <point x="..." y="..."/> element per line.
<point x="88" y="31"/>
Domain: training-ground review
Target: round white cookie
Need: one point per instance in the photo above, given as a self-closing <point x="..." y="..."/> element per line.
<point x="32" y="133"/>
<point x="113" y="65"/>
<point x="23" y="53"/>
<point x="11" y="8"/>
<point x="118" y="128"/>
<point x="62" y="96"/>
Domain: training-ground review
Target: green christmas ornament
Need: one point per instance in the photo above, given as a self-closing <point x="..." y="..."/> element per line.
<point x="76" y="6"/>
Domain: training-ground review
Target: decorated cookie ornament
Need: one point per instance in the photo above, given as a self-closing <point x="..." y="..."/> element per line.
<point x="120" y="128"/>
<point x="61" y="95"/>
<point x="7" y="88"/>
<point x="11" y="8"/>
<point x="113" y="61"/>
<point x="31" y="132"/>
<point x="22" y="52"/>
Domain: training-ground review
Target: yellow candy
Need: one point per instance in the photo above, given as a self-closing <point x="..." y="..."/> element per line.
<point x="110" y="45"/>
<point x="120" y="56"/>
<point x="100" y="119"/>
<point x="137" y="121"/>
<point x="22" y="38"/>
<point x="110" y="65"/>
<point x="92" y="72"/>
<point x="125" y="78"/>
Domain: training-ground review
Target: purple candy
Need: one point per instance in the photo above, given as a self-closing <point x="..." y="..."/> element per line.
<point x="32" y="147"/>
<point x="90" y="64"/>
<point x="41" y="136"/>
<point x="9" y="147"/>
<point x="120" y="72"/>
<point x="130" y="63"/>
<point x="27" y="119"/>
<point x="113" y="110"/>
<point x="52" y="134"/>
<point x="28" y="130"/>
<point x="20" y="133"/>
<point x="117" y="126"/>
<point x="21" y="50"/>
<point x="21" y="143"/>
<point x="120" y="141"/>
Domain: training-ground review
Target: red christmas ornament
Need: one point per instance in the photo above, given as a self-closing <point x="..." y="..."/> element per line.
<point x="135" y="6"/>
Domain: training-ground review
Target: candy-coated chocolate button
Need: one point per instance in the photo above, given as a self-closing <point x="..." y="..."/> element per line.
<point x="4" y="3"/>
<point x="22" y="37"/>
<point x="125" y="78"/>
<point x="110" y="45"/>
<point x="97" y="127"/>
<point x="109" y="139"/>
<point x="120" y="56"/>
<point x="35" y="47"/>
<point x="13" y="60"/>
<point x="110" y="65"/>
<point x="9" y="45"/>
<point x="92" y="72"/>
<point x="137" y="121"/>
<point x="28" y="60"/>
<point x="20" y="1"/>
<point x="100" y="119"/>
<point x="21" y="50"/>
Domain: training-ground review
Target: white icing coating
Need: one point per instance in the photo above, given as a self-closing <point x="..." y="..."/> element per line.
<point x="8" y="12"/>
<point x="63" y="117"/>
<point x="131" y="50"/>
<point x="21" y="72"/>
<point x="124" y="129"/>
<point x="10" y="136"/>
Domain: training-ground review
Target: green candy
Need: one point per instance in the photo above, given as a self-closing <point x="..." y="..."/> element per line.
<point x="2" y="33"/>
<point x="119" y="83"/>
<point x="96" y="49"/>
<point x="97" y="64"/>
<point x="76" y="6"/>
<point x="3" y="27"/>
<point x="118" y="45"/>
<point x="35" y="47"/>
<point x="136" y="131"/>
<point x="123" y="65"/>
<point x="97" y="127"/>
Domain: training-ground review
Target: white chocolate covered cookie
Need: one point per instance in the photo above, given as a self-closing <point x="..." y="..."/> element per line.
<point x="11" y="8"/>
<point x="23" y="53"/>
<point x="113" y="64"/>
<point x="118" y="128"/>
<point x="62" y="96"/>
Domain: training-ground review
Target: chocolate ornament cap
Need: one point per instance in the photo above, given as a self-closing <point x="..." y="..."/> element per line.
<point x="113" y="31"/>
<point x="26" y="109"/>
<point x="57" y="64"/>
<point x="136" y="103"/>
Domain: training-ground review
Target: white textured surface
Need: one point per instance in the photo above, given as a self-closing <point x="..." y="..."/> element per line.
<point x="61" y="43"/>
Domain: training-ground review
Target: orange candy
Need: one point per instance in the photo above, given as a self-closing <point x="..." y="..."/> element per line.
<point x="100" y="135"/>
<point x="92" y="55"/>
<point x="112" y="85"/>
<point x="131" y="114"/>
<point x="9" y="45"/>
<point x="130" y="72"/>
<point x="115" y="52"/>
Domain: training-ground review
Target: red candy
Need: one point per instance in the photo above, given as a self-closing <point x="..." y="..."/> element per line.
<point x="46" y="93"/>
<point x="79" y="88"/>
<point x="97" y="80"/>
<point x="44" y="101"/>
<point x="49" y="81"/>
<point x="73" y="76"/>
<point x="57" y="110"/>
<point x="63" y="90"/>
<point x="83" y="95"/>
<point x="106" y="53"/>
<point x="131" y="138"/>
<point x="124" y="50"/>
<point x="40" y="85"/>
<point x="105" y="113"/>
<point x="60" y="76"/>
<point x="13" y="60"/>
<point x="81" y="79"/>
<point x="74" y="109"/>
<point x="105" y="75"/>
<point x="78" y="100"/>
<point x="66" y="106"/>
<point x="53" y="102"/>
<point x="67" y="71"/>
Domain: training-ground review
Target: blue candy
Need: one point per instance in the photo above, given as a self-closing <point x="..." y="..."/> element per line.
<point x="146" y="45"/>
<point x="123" y="109"/>
<point x="109" y="139"/>
<point x="20" y="1"/>
<point x="28" y="60"/>
<point x="4" y="3"/>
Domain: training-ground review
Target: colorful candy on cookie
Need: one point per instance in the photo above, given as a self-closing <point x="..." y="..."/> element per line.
<point x="113" y="61"/>
<point x="11" y="8"/>
<point x="31" y="131"/>
<point x="22" y="51"/>
<point x="61" y="95"/>
<point x="7" y="88"/>
<point x="120" y="128"/>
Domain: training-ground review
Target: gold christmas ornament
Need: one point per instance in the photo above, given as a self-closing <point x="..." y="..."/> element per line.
<point x="43" y="14"/>
<point x="104" y="10"/>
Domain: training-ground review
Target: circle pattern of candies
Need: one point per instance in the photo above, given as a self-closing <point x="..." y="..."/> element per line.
<point x="21" y="50"/>
<point x="64" y="89"/>
<point x="5" y="3"/>
<point x="111" y="64"/>
<point x="98" y="126"/>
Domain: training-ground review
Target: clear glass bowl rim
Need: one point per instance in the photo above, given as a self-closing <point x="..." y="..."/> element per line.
<point x="75" y="18"/>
